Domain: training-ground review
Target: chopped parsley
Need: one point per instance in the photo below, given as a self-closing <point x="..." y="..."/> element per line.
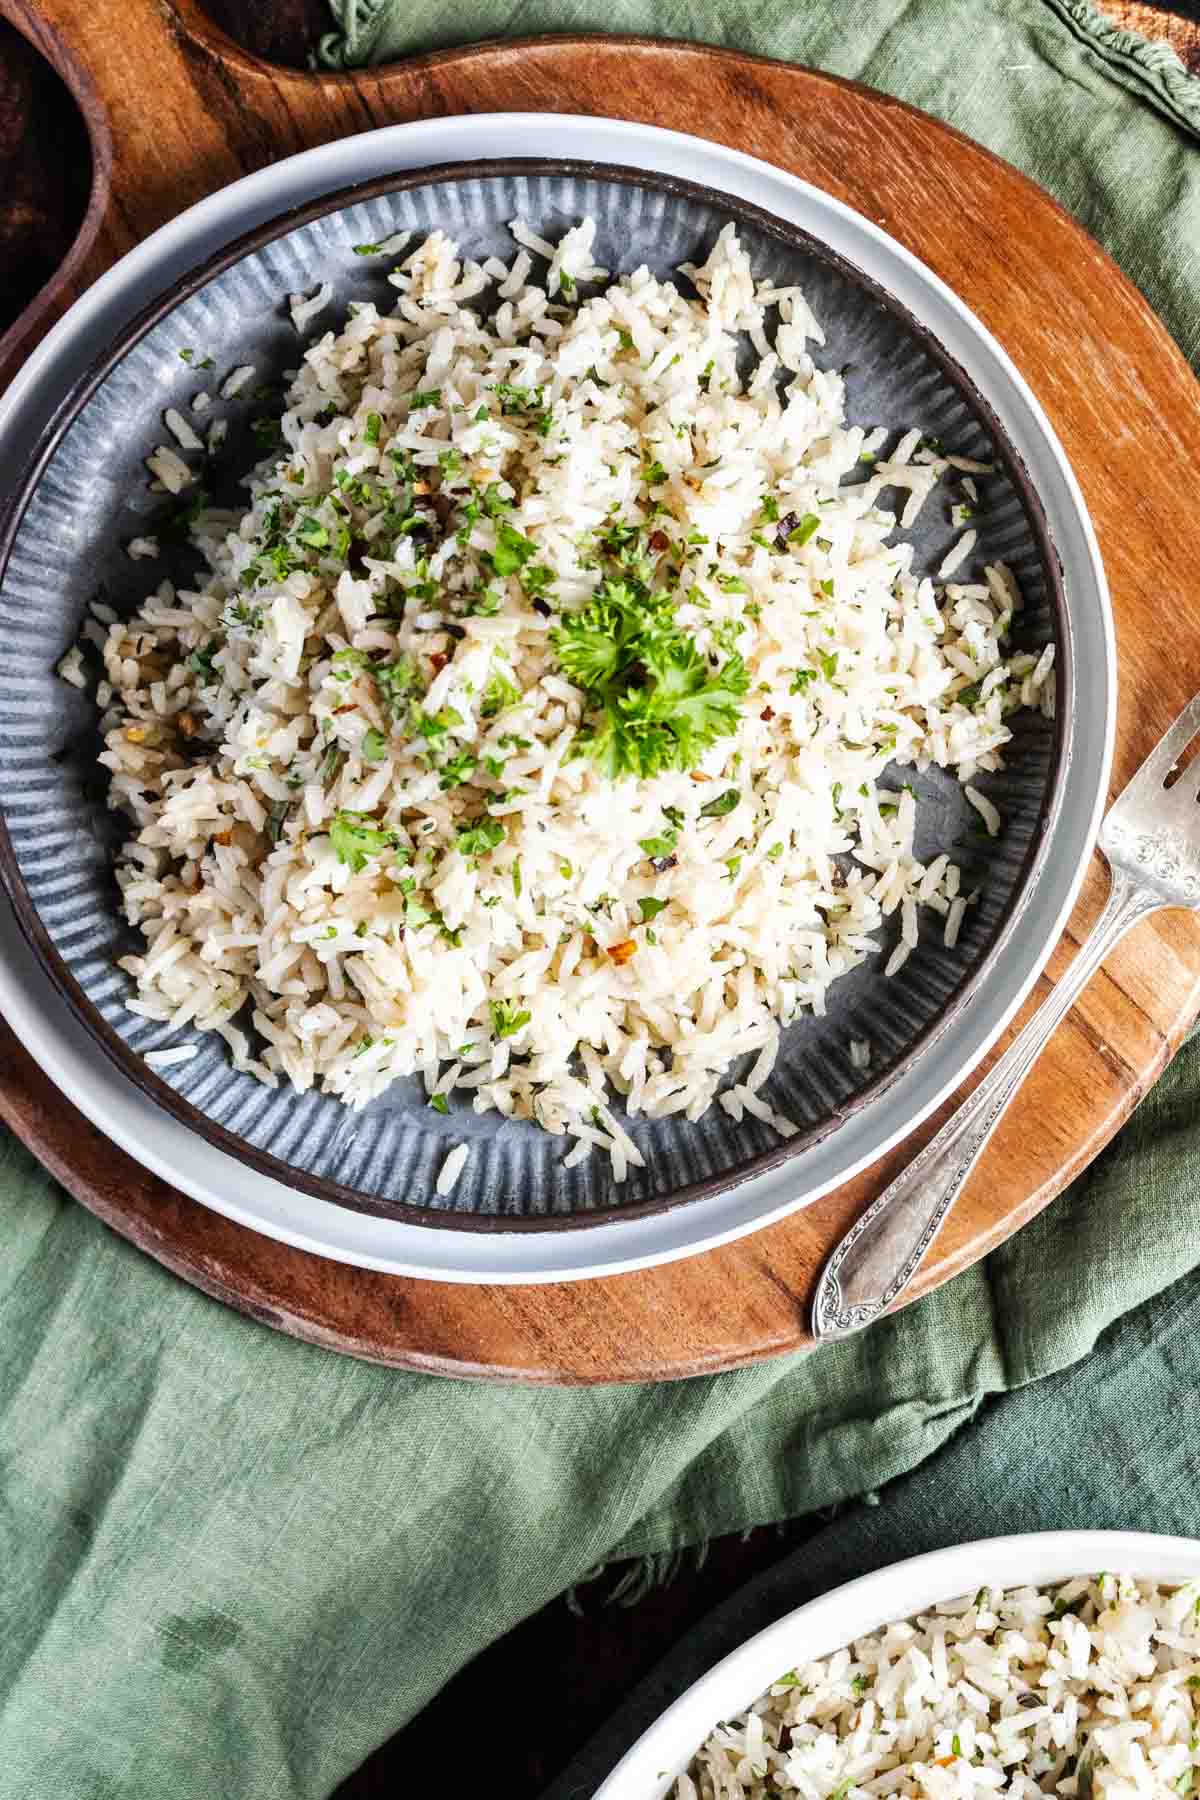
<point x="200" y="662"/>
<point x="456" y="769"/>
<point x="506" y="1020"/>
<point x="807" y="526"/>
<point x="479" y="838"/>
<point x="651" y="907"/>
<point x="439" y="1103"/>
<point x="374" y="745"/>
<point x="661" y="845"/>
<point x="801" y="679"/>
<point x="515" y="399"/>
<point x="373" y="428"/>
<point x="724" y="803"/>
<point x="512" y="550"/>
<point x="345" y="662"/>
<point x="396" y="683"/>
<point x="356" y="840"/>
<point x="431" y="397"/>
<point x="498" y="695"/>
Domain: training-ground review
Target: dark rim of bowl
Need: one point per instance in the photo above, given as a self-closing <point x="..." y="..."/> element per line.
<point x="795" y="237"/>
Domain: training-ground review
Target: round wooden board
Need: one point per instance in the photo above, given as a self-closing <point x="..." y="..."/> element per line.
<point x="176" y="111"/>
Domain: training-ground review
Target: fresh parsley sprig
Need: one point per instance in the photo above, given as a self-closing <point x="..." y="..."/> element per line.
<point x="652" y="701"/>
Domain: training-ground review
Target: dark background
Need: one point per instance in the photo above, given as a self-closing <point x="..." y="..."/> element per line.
<point x="587" y="1655"/>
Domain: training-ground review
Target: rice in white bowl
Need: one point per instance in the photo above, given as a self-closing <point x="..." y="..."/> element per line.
<point x="1089" y="1690"/>
<point x="387" y="809"/>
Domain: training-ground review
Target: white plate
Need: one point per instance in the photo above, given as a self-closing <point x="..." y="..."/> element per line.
<point x="68" y="1056"/>
<point x="648" y="1770"/>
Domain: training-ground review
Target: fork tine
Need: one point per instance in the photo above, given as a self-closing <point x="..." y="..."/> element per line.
<point x="1162" y="759"/>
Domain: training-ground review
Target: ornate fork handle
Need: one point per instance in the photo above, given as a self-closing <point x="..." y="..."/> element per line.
<point x="879" y="1256"/>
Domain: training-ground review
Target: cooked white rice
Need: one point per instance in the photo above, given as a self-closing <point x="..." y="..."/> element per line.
<point x="1091" y="1689"/>
<point x="372" y="670"/>
<point x="236" y="380"/>
<point x="452" y="1168"/>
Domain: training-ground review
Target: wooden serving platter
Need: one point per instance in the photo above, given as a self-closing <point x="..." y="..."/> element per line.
<point x="175" y="111"/>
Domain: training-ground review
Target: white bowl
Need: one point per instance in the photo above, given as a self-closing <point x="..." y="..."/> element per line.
<point x="649" y="1769"/>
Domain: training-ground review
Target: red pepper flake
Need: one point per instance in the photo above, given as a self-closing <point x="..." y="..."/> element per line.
<point x="439" y="659"/>
<point x="621" y="953"/>
<point x="767" y="714"/>
<point x="659" y="541"/>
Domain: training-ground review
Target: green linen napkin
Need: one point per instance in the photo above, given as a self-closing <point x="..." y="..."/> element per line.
<point x="231" y="1564"/>
<point x="1097" y="1447"/>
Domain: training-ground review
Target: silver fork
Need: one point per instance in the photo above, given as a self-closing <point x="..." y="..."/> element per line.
<point x="1151" y="838"/>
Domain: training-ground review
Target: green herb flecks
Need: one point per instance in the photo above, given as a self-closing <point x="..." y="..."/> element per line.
<point x="480" y="837"/>
<point x="200" y="662"/>
<point x="798" y="534"/>
<point x="397" y="682"/>
<point x="498" y="695"/>
<point x="512" y="550"/>
<point x="724" y="803"/>
<point x="659" y="846"/>
<point x="506" y="1020"/>
<point x="356" y="839"/>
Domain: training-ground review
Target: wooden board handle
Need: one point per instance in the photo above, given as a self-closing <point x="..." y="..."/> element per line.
<point x="67" y="280"/>
<point x="174" y="110"/>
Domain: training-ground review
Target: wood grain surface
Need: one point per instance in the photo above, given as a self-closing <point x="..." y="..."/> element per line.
<point x="218" y="112"/>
